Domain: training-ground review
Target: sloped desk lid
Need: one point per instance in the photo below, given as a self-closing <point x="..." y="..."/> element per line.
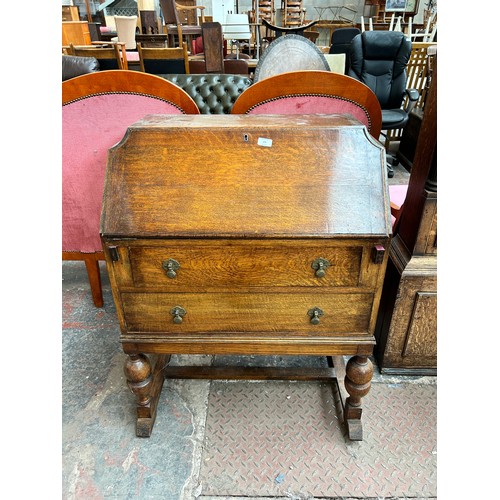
<point x="237" y="176"/>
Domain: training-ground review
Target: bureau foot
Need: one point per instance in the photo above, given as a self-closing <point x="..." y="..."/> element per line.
<point x="146" y="384"/>
<point x="357" y="382"/>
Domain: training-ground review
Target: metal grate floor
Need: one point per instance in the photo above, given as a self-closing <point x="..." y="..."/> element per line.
<point x="284" y="439"/>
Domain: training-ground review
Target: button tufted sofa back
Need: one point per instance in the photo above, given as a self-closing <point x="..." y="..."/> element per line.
<point x="214" y="94"/>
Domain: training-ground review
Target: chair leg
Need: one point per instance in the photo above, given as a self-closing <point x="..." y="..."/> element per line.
<point x="394" y="160"/>
<point x="94" y="275"/>
<point x="389" y="163"/>
<point x="390" y="170"/>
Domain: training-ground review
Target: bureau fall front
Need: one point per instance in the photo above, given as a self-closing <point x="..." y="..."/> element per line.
<point x="246" y="235"/>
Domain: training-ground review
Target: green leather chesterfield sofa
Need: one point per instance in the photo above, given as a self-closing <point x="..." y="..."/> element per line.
<point x="214" y="94"/>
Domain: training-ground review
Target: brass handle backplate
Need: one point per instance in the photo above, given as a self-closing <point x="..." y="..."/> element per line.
<point x="320" y="265"/>
<point x="171" y="266"/>
<point x="178" y="312"/>
<point x="315" y="313"/>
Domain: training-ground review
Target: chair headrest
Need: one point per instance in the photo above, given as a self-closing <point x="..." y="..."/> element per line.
<point x="382" y="44"/>
<point x="344" y="35"/>
<point x="379" y="59"/>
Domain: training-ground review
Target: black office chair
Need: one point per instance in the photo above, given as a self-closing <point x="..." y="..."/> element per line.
<point x="379" y="60"/>
<point x="341" y="41"/>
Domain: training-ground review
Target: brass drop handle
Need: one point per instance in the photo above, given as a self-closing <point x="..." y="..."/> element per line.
<point x="315" y="313"/>
<point x="171" y="265"/>
<point x="178" y="312"/>
<point x="320" y="265"/>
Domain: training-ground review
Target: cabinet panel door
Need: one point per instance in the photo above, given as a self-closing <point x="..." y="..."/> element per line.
<point x="421" y="340"/>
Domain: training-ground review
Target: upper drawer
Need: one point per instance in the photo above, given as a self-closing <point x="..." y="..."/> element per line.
<point x="228" y="264"/>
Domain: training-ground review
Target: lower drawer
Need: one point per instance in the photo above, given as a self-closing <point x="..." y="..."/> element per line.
<point x="248" y="312"/>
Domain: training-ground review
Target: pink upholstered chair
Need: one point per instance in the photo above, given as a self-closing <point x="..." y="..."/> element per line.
<point x="97" y="109"/>
<point x="311" y="92"/>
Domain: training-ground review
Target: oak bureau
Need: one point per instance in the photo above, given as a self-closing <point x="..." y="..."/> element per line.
<point x="246" y="235"/>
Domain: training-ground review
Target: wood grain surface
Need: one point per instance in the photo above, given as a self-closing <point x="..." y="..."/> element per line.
<point x="244" y="264"/>
<point x="249" y="312"/>
<point x="252" y="175"/>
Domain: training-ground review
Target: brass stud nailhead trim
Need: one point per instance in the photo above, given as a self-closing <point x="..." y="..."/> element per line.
<point x="330" y="96"/>
<point x="129" y="93"/>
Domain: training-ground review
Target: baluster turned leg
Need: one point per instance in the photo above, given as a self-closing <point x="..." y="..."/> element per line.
<point x="146" y="384"/>
<point x="357" y="382"/>
<point x="137" y="371"/>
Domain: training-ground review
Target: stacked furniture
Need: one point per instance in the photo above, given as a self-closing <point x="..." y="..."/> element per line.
<point x="70" y="13"/>
<point x="293" y="13"/>
<point x="181" y="21"/>
<point x="262" y="10"/>
<point x="419" y="74"/>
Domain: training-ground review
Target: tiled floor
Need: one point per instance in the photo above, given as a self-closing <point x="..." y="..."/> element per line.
<point x="231" y="439"/>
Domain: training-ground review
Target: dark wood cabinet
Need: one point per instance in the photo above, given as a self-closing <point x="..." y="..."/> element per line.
<point x="406" y="329"/>
<point x="246" y="234"/>
<point x="407" y="332"/>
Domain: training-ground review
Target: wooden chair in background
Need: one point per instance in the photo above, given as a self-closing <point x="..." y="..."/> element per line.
<point x="262" y="9"/>
<point x="160" y="61"/>
<point x="110" y="56"/>
<point x="176" y="18"/>
<point x="418" y="78"/>
<point x="149" y="22"/>
<point x="213" y="47"/>
<point x="97" y="109"/>
<point x="213" y="54"/>
<point x="293" y="13"/>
